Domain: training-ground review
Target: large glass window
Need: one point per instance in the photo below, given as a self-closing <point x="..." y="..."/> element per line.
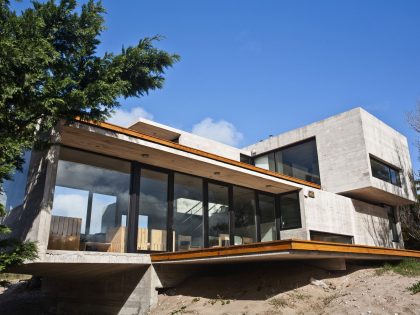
<point x="188" y="212"/>
<point x="290" y="211"/>
<point x="298" y="160"/>
<point x="385" y="172"/>
<point x="15" y="188"/>
<point x="91" y="200"/>
<point x="218" y="215"/>
<point x="244" y="207"/>
<point x="152" y="223"/>
<point x="267" y="217"/>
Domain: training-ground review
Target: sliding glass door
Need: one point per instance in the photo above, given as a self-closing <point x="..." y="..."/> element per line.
<point x="188" y="212"/>
<point x="218" y="215"/>
<point x="153" y="211"/>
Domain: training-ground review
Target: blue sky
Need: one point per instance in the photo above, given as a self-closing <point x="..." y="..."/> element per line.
<point x="266" y="67"/>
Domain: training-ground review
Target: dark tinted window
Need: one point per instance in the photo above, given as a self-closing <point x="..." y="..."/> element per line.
<point x="385" y="172"/>
<point x="244" y="207"/>
<point x="245" y="159"/>
<point x="329" y="237"/>
<point x="290" y="211"/>
<point x="299" y="160"/>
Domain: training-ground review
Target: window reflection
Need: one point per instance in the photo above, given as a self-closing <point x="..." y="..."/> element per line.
<point x="152" y="226"/>
<point x="188" y="212"/>
<point x="218" y="215"/>
<point x="91" y="201"/>
<point x="244" y="207"/>
<point x="15" y="188"/>
<point x="268" y="217"/>
<point x="385" y="172"/>
<point x="299" y="160"/>
<point x="290" y="211"/>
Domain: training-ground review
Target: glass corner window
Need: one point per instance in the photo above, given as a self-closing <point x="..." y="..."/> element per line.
<point x="14" y="190"/>
<point x="299" y="160"/>
<point x="91" y="199"/>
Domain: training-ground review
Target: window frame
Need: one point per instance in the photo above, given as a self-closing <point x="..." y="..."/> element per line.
<point x="134" y="203"/>
<point x="290" y="145"/>
<point x="390" y="169"/>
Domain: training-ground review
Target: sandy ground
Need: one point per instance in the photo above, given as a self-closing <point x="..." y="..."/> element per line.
<point x="287" y="289"/>
<point x="265" y="288"/>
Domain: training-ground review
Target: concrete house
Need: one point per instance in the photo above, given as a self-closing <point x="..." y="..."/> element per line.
<point x="108" y="194"/>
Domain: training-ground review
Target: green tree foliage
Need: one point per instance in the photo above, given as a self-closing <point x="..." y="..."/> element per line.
<point x="12" y="251"/>
<point x="410" y="215"/>
<point x="50" y="71"/>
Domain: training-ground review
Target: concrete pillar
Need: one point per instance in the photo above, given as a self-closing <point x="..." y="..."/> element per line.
<point x="127" y="292"/>
<point x="32" y="220"/>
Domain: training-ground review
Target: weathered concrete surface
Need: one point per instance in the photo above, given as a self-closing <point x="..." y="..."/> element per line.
<point x="191" y="140"/>
<point x="344" y="143"/>
<point x="126" y="292"/>
<point x="32" y="220"/>
<point x="332" y="213"/>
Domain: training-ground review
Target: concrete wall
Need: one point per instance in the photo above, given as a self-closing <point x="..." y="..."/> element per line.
<point x="388" y="145"/>
<point x="344" y="143"/>
<point x="211" y="146"/>
<point x="32" y="220"/>
<point x="332" y="213"/>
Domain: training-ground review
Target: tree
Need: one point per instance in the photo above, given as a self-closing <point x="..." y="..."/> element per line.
<point x="49" y="71"/>
<point x="410" y="215"/>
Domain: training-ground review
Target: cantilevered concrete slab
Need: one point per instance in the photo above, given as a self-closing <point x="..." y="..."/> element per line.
<point x="65" y="264"/>
<point x="131" y="145"/>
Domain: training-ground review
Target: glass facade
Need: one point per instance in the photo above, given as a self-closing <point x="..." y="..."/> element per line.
<point x="153" y="211"/>
<point x="267" y="209"/>
<point x="14" y="189"/>
<point x="290" y="211"/>
<point x="91" y="203"/>
<point x="169" y="211"/>
<point x="299" y="160"/>
<point x="385" y="172"/>
<point x="218" y="208"/>
<point x="188" y="212"/>
<point x="244" y="209"/>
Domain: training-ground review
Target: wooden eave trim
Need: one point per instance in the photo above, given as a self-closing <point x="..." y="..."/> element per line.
<point x="170" y="144"/>
<point x="283" y="245"/>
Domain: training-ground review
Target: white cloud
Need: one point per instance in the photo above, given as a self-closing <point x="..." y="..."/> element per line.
<point x="126" y="118"/>
<point x="221" y="131"/>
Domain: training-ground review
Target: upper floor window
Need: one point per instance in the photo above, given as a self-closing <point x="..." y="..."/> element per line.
<point x="299" y="160"/>
<point x="385" y="172"/>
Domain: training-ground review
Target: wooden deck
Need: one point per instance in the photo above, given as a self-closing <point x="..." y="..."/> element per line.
<point x="287" y="249"/>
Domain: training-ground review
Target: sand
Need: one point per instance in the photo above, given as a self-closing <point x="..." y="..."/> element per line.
<point x="286" y="289"/>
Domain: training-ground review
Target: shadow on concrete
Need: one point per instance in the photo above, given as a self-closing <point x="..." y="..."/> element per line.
<point x="99" y="294"/>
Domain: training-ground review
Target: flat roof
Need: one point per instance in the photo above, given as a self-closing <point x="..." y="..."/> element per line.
<point x="155" y="129"/>
<point x="282" y="250"/>
<point x="177" y="146"/>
